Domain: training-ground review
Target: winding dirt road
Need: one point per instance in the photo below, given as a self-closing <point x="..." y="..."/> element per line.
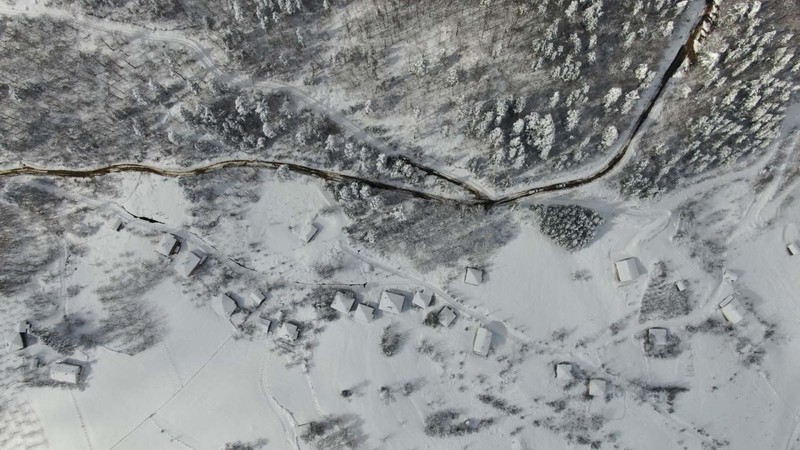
<point x="480" y="197"/>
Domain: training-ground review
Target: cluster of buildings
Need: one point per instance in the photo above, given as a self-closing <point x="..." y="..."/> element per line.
<point x="61" y="371"/>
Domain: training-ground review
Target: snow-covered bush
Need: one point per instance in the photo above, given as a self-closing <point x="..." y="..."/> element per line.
<point x="570" y="226"/>
<point x="390" y="341"/>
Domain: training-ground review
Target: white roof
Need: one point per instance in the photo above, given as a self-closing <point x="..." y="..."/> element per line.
<point x="730" y="309"/>
<point x="792" y="248"/>
<point x="658" y="336"/>
<point x="473" y="276"/>
<point x="254" y="299"/>
<point x="65" y="372"/>
<point x="343" y="302"/>
<point x="189" y="263"/>
<point x="597" y="387"/>
<point x="627" y="270"/>
<point x="422" y="298"/>
<point x="116" y="224"/>
<point x="308" y="232"/>
<point x="564" y="371"/>
<point x="288" y="331"/>
<point x="391" y="302"/>
<point x="14" y="342"/>
<point x="482" y="342"/>
<point x="364" y="313"/>
<point x="680" y="285"/>
<point x="446" y="316"/>
<point x="24" y="326"/>
<point x="262" y="325"/>
<point x="224" y="305"/>
<point x="167" y="244"/>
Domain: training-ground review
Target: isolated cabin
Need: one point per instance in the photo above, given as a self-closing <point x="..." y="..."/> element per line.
<point x="117" y="224"/>
<point x="391" y="302"/>
<point x="64" y="372"/>
<point x="288" y="331"/>
<point x="24" y="326"/>
<point x="657" y="337"/>
<point x="189" y="263"/>
<point x="254" y="299"/>
<point x="447" y="316"/>
<point x="473" y="276"/>
<point x="224" y="305"/>
<point x="168" y="245"/>
<point x="627" y="270"/>
<point x="364" y="313"/>
<point x="308" y="232"/>
<point x="343" y="302"/>
<point x="792" y="248"/>
<point x="731" y="310"/>
<point x="680" y="285"/>
<point x="597" y="387"/>
<point x="14" y="342"/>
<point x="422" y="298"/>
<point x="564" y="371"/>
<point x="482" y="342"/>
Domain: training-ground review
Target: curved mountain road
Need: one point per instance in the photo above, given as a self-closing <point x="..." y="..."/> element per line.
<point x="687" y="50"/>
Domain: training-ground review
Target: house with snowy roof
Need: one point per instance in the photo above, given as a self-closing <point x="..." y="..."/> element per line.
<point x="482" y="342"/>
<point x="288" y="331"/>
<point x="190" y="262"/>
<point x="14" y="341"/>
<point x="564" y="371"/>
<point x="473" y="276"/>
<point x="308" y="231"/>
<point x="731" y="310"/>
<point x="627" y="270"/>
<point x="116" y="224"/>
<point x="224" y="305"/>
<point x="597" y="387"/>
<point x="447" y="316"/>
<point x="422" y="298"/>
<point x="168" y="244"/>
<point x="65" y="372"/>
<point x="364" y="313"/>
<point x="657" y="337"/>
<point x="792" y="248"/>
<point x="391" y="302"/>
<point x="254" y="299"/>
<point x="343" y="302"/>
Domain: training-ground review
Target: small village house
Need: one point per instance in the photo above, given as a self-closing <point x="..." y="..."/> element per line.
<point x="308" y="231"/>
<point x="364" y="313"/>
<point x="422" y="298"/>
<point x="343" y="302"/>
<point x="792" y="248"/>
<point x="14" y="341"/>
<point x="473" y="276"/>
<point x="224" y="305"/>
<point x="190" y="262"/>
<point x="482" y="342"/>
<point x="288" y="331"/>
<point x="254" y="299"/>
<point x="597" y="388"/>
<point x="627" y="270"/>
<point x="731" y="310"/>
<point x="65" y="372"/>
<point x="564" y="371"/>
<point x="391" y="302"/>
<point x="168" y="244"/>
<point x="657" y="337"/>
<point x="680" y="285"/>
<point x="117" y="224"/>
<point x="447" y="316"/>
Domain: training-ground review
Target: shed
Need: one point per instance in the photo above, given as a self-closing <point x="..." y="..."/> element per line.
<point x="288" y="331"/>
<point x="680" y="285"/>
<point x="24" y="326"/>
<point x="792" y="248"/>
<point x="422" y="298"/>
<point x="657" y="337"/>
<point x="262" y="326"/>
<point x="224" y="305"/>
<point x="564" y="371"/>
<point x="254" y="299"/>
<point x="189" y="263"/>
<point x="391" y="302"/>
<point x="343" y="302"/>
<point x="65" y="372"/>
<point x="731" y="310"/>
<point x="117" y="224"/>
<point x="14" y="342"/>
<point x="597" y="387"/>
<point x="447" y="316"/>
<point x="627" y="270"/>
<point x="308" y="232"/>
<point x="168" y="244"/>
<point x="473" y="276"/>
<point x="482" y="342"/>
<point x="364" y="313"/>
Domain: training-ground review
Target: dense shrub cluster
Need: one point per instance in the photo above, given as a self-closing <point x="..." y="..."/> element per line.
<point x="570" y="226"/>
